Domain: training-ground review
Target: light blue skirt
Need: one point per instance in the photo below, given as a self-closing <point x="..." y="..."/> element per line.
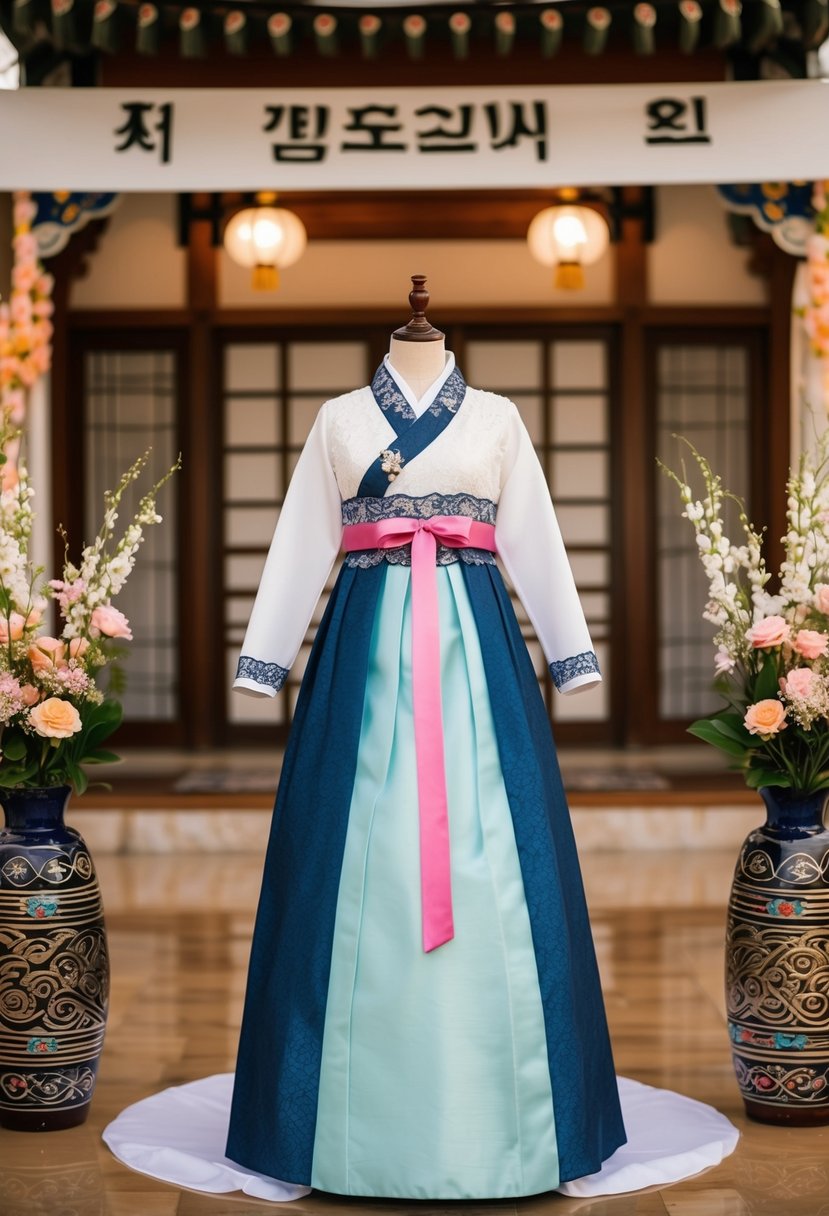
<point x="435" y="1081"/>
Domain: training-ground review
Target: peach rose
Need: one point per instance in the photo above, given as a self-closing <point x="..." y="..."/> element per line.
<point x="110" y="622"/>
<point x="810" y="643"/>
<point x="55" y="719"/>
<point x="798" y="683"/>
<point x="771" y="631"/>
<point x="29" y="695"/>
<point x="78" y="648"/>
<point x="765" y="718"/>
<point x="822" y="597"/>
<point x="47" y="653"/>
<point x="12" y="629"/>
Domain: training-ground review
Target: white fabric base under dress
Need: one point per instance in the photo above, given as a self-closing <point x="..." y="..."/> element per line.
<point x="179" y="1136"/>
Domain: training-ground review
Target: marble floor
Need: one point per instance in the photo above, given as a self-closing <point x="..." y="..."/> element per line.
<point x="180" y="933"/>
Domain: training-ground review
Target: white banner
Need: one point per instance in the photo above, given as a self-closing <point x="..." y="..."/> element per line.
<point x="391" y="139"/>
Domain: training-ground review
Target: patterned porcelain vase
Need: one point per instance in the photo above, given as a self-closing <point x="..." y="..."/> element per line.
<point x="54" y="968"/>
<point x="777" y="962"/>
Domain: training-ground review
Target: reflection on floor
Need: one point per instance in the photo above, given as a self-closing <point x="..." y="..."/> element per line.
<point x="180" y="932"/>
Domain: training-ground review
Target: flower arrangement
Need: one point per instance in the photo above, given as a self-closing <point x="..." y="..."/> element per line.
<point x="816" y="312"/>
<point x="25" y="326"/>
<point x="772" y="660"/>
<point x="54" y="717"/>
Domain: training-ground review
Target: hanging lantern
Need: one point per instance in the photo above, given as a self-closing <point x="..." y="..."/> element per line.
<point x="569" y="238"/>
<point x="265" y="239"/>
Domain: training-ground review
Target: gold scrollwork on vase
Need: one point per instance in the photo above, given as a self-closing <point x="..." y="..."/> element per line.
<point x="777" y="989"/>
<point x="54" y="981"/>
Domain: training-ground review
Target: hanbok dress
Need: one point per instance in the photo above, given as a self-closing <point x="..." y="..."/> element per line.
<point x="374" y="1061"/>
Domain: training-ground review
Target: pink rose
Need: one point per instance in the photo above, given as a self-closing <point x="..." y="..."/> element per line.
<point x="723" y="662"/>
<point x="12" y="628"/>
<point x="29" y="695"/>
<point x="798" y="683"/>
<point x="25" y="246"/>
<point x="822" y="594"/>
<point x="110" y="622"/>
<point x="43" y="308"/>
<point x="21" y="308"/>
<point x="25" y="210"/>
<point x="55" y="718"/>
<point x="45" y="284"/>
<point x="28" y="373"/>
<point x="810" y="643"/>
<point x="78" y="648"/>
<point x="47" y="653"/>
<point x="765" y="718"/>
<point x="24" y="276"/>
<point x="770" y="631"/>
<point x="41" y="358"/>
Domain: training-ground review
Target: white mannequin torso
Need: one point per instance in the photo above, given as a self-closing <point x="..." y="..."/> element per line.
<point x="418" y="363"/>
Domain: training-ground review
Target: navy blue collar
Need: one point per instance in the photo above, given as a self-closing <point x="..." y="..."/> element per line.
<point x="397" y="409"/>
<point x="413" y="434"/>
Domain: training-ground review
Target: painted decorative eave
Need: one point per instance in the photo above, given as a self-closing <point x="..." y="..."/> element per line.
<point x="751" y="28"/>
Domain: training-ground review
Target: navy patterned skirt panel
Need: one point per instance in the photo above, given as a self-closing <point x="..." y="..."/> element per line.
<point x="589" y="1125"/>
<point x="274" y="1109"/>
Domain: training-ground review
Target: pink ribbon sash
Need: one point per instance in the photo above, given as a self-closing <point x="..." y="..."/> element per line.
<point x="457" y="532"/>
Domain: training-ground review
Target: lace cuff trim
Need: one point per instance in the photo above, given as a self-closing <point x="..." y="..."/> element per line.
<point x="369" y="510"/>
<point x="565" y="670"/>
<point x="270" y="675"/>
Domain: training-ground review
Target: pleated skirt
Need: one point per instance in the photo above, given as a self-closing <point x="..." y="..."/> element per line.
<point x="367" y="1067"/>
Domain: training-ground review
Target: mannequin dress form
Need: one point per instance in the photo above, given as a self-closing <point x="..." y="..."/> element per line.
<point x="423" y="1016"/>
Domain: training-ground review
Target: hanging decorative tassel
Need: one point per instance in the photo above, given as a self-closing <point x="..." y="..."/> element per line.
<point x="237" y="32"/>
<point x="690" y="23"/>
<point x="105" y="22"/>
<point x="552" y="29"/>
<point x="504" y="32"/>
<point x="325" y="33"/>
<point x="370" y="26"/>
<point x="459" y="26"/>
<point x="279" y="31"/>
<point x="644" y="21"/>
<point x="414" y="31"/>
<point x="597" y="23"/>
<point x="147" y="30"/>
<point x="192" y="42"/>
<point x="728" y="28"/>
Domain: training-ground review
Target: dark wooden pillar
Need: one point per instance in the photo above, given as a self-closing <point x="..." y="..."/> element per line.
<point x="201" y="548"/>
<point x="632" y="442"/>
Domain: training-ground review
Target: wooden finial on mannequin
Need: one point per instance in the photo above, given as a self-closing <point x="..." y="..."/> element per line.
<point x="418" y="328"/>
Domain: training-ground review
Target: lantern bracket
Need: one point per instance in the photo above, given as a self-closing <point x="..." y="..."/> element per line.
<point x="200" y="207"/>
<point x="620" y="209"/>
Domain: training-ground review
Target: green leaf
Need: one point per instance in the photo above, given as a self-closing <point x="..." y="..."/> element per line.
<point x="755" y="777"/>
<point x="706" y="730"/>
<point x="731" y="725"/>
<point x="14" y="746"/>
<point x="766" y="686"/>
<point x="100" y="756"/>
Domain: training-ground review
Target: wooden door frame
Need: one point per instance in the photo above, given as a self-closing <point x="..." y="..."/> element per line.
<point x="690" y="330"/>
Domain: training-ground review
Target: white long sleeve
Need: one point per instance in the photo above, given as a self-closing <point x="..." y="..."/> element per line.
<point x="531" y="547"/>
<point x="302" y="552"/>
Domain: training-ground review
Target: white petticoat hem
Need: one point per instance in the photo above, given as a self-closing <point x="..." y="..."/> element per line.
<point x="179" y="1135"/>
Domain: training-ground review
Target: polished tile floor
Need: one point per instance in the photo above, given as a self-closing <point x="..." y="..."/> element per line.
<point x="180" y="933"/>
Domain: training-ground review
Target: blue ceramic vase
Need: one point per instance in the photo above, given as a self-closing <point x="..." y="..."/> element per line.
<point x="777" y="962"/>
<point x="54" y="967"/>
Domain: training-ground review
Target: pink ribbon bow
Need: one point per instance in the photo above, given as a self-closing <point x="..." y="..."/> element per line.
<point x="457" y="532"/>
